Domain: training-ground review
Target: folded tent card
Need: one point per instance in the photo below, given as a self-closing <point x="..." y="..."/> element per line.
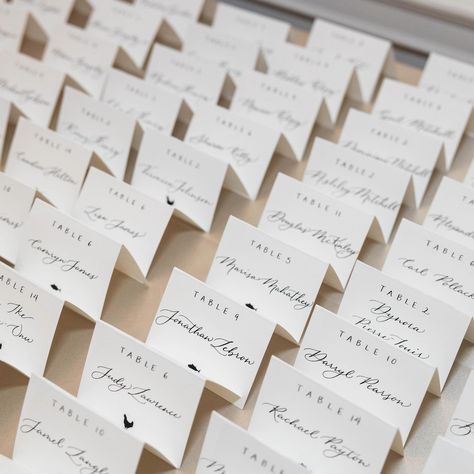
<point x="5" y="115"/>
<point x="149" y="396"/>
<point x="8" y="466"/>
<point x="208" y="332"/>
<point x="446" y="456"/>
<point x="469" y="178"/>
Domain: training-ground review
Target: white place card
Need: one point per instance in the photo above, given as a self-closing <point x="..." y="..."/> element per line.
<point x="16" y="200"/>
<point x="371" y="56"/>
<point x="406" y="318"/>
<point x="448" y="457"/>
<point x="13" y="26"/>
<point x="434" y="115"/>
<point x="211" y="334"/>
<point x="8" y="466"/>
<point x="372" y="187"/>
<point x="84" y="57"/>
<point x="469" y="178"/>
<point x="181" y="176"/>
<point x="127" y="216"/>
<point x="49" y="12"/>
<point x="434" y="264"/>
<point x="58" y="434"/>
<point x="233" y="450"/>
<point x="287" y="108"/>
<point x="451" y="212"/>
<point x="246" y="146"/>
<point x="28" y="320"/>
<point x="277" y="280"/>
<point x="317" y="428"/>
<point x="97" y="127"/>
<point x="45" y="160"/>
<point x="144" y="393"/>
<point x="68" y="258"/>
<point x="399" y="147"/>
<point x="317" y="224"/>
<point x="5" y="114"/>
<point x="371" y="373"/>
<point x="32" y="86"/>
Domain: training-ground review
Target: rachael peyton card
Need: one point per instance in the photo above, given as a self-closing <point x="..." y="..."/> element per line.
<point x="231" y="449"/>
<point x="317" y="428"/>
<point x="206" y="331"/>
<point x="399" y="147"/>
<point x="433" y="115"/>
<point x="278" y="281"/>
<point x="317" y="224"/>
<point x="97" y="127"/>
<point x="371" y="373"/>
<point x="147" y="395"/>
<point x="68" y="258"/>
<point x="57" y="434"/>
<point x="435" y="265"/>
<point x="406" y="318"/>
<point x="125" y="215"/>
<point x="446" y="456"/>
<point x="287" y="108"/>
<point x="28" y="319"/>
<point x="372" y="187"/>
<point x="180" y="176"/>
<point x="49" y="12"/>
<point x="246" y="146"/>
<point x="10" y="467"/>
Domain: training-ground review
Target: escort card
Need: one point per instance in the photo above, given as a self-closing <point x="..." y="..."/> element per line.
<point x="231" y="449"/>
<point x="9" y="467"/>
<point x="317" y="224"/>
<point x="404" y="149"/>
<point x="13" y="26"/>
<point x="375" y="376"/>
<point x="469" y="178"/>
<point x="49" y="12"/>
<point x="181" y="176"/>
<point x="406" y="318"/>
<point x="434" y="115"/>
<point x="136" y="388"/>
<point x="315" y="427"/>
<point x="371" y="187"/>
<point x="32" y="86"/>
<point x="28" y="320"/>
<point x="277" y="280"/>
<point x="68" y="258"/>
<point x="451" y="212"/>
<point x="57" y="434"/>
<point x="97" y="127"/>
<point x="448" y="457"/>
<point x="438" y="266"/>
<point x="125" y="215"/>
<point x="212" y="335"/>
<point x="289" y="109"/>
<point x="245" y="145"/>
<point x="45" y="160"/>
<point x="5" y="112"/>
<point x="371" y="56"/>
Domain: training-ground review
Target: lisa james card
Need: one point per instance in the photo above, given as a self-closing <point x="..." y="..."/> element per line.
<point x="145" y="394"/>
<point x="447" y="456"/>
<point x="277" y="280"/>
<point x="206" y="331"/>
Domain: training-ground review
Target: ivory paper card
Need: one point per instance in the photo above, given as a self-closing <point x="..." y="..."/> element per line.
<point x="144" y="393"/>
<point x="317" y="224"/>
<point x="279" y="281"/>
<point x="211" y="334"/>
<point x="246" y="146"/>
<point x="5" y="113"/>
<point x="469" y="178"/>
<point x="13" y="26"/>
<point x="448" y="457"/>
<point x="28" y="320"/>
<point x="9" y="467"/>
<point x="49" y="12"/>
<point x="289" y="109"/>
<point x="58" y="434"/>
<point x="317" y="428"/>
<point x="366" y="370"/>
<point x="405" y="317"/>
<point x="181" y="176"/>
<point x="97" y="127"/>
<point x="68" y="258"/>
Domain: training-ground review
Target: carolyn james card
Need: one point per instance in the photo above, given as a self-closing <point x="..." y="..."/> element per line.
<point x="405" y="317"/>
<point x="372" y="187"/>
<point x="147" y="395"/>
<point x="58" y="434"/>
<point x="317" y="428"/>
<point x="371" y="373"/>
<point x="180" y="176"/>
<point x="448" y="457"/>
<point x="204" y="330"/>
<point x="277" y="280"/>
<point x="317" y="224"/>
<point x="68" y="258"/>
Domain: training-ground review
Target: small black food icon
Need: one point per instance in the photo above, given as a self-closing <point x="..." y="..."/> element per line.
<point x="193" y="367"/>
<point x="251" y="306"/>
<point x="55" y="287"/>
<point x="126" y="423"/>
<point x="169" y="201"/>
